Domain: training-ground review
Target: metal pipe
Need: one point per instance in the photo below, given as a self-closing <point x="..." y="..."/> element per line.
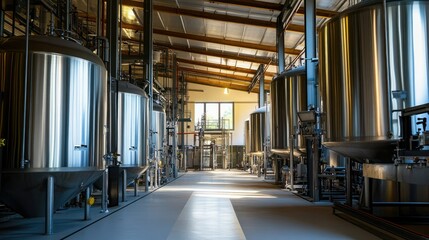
<point x="26" y="80"/>
<point x="291" y="147"/>
<point x="310" y="52"/>
<point x="173" y="118"/>
<point x="114" y="76"/>
<point x="349" y="182"/>
<point x="124" y="184"/>
<point x="104" y="198"/>
<point x="182" y="80"/>
<point x="135" y="187"/>
<point x="261" y="86"/>
<point x="280" y="33"/>
<point x="1" y="22"/>
<point x="67" y="17"/>
<point x="148" y="59"/>
<point x="146" y="187"/>
<point x="87" y="206"/>
<point x="98" y="24"/>
<point x="49" y="205"/>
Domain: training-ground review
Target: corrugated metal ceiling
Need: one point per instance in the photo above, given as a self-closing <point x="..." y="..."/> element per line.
<point x="216" y="32"/>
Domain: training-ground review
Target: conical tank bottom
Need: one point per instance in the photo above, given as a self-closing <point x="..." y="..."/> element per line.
<point x="24" y="191"/>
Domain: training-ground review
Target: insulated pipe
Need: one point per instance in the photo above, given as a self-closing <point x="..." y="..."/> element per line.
<point x="310" y="52"/>
<point x="280" y="44"/>
<point x="148" y="59"/>
<point x="26" y="80"/>
<point x="49" y="205"/>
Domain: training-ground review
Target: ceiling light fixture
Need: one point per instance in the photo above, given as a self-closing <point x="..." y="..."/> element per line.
<point x="226" y="91"/>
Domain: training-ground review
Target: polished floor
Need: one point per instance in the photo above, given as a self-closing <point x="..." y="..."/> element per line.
<point x="222" y="205"/>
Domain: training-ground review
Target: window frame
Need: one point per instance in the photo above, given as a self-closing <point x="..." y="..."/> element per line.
<point x="219" y="118"/>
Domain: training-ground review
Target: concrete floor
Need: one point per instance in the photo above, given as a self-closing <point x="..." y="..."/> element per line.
<point x="215" y="205"/>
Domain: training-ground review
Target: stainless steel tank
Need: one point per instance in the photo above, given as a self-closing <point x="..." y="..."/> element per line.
<point x="288" y="96"/>
<point x="132" y="129"/>
<point x="159" y="135"/>
<point x="64" y="121"/>
<point x="354" y="87"/>
<point x="373" y="60"/>
<point x="257" y="131"/>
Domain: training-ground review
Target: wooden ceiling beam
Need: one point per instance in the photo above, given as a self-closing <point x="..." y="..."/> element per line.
<point x="216" y="74"/>
<point x="202" y="51"/>
<point x="253" y="4"/>
<point x="218" y="83"/>
<point x="222" y="66"/>
<point x="322" y="13"/>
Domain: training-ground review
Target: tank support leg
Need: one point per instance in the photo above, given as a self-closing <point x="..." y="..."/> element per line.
<point x="49" y="205"/>
<point x="104" y="198"/>
<point x="87" y="206"/>
<point x="135" y="187"/>
<point x="124" y="184"/>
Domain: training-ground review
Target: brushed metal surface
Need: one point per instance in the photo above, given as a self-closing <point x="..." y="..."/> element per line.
<point x="132" y="129"/>
<point x="65" y="120"/>
<point x="159" y="128"/>
<point x="408" y="55"/>
<point x="257" y="131"/>
<point x="247" y="136"/>
<point x="373" y="61"/>
<point x="353" y="75"/>
<point x="288" y="96"/>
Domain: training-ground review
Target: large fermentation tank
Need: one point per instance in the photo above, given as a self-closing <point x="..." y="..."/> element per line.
<point x="354" y="85"/>
<point x="132" y="129"/>
<point x="288" y="96"/>
<point x="159" y="131"/>
<point x="64" y="121"/>
<point x="257" y="131"/>
<point x="373" y="60"/>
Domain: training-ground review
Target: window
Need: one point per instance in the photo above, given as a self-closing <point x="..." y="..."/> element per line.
<point x="215" y="116"/>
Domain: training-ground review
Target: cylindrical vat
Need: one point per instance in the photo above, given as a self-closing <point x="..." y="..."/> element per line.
<point x="247" y="136"/>
<point x="64" y="120"/>
<point x="353" y="75"/>
<point x="132" y="128"/>
<point x="372" y="62"/>
<point x="159" y="134"/>
<point x="257" y="131"/>
<point x="408" y="55"/>
<point x="288" y="96"/>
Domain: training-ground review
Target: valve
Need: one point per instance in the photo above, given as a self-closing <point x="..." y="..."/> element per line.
<point x="91" y="201"/>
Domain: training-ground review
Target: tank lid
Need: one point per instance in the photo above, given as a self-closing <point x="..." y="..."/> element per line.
<point x="126" y="87"/>
<point x="260" y="110"/>
<point x="50" y="45"/>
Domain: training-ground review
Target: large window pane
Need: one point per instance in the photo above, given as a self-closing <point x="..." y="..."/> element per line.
<point x="212" y="116"/>
<point x="218" y="116"/>
<point x="226" y="114"/>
